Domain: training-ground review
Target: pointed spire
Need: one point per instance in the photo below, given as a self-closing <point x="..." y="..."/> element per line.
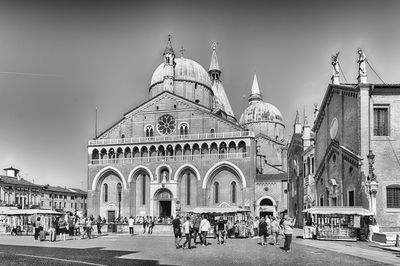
<point x="214" y="66"/>
<point x="297" y="125"/>
<point x="255" y="91"/>
<point x="168" y="48"/>
<point x="297" y="119"/>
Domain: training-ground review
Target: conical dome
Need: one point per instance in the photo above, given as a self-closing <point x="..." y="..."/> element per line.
<point x="262" y="117"/>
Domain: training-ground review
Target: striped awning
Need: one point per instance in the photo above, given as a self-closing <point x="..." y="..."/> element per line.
<point x="339" y="210"/>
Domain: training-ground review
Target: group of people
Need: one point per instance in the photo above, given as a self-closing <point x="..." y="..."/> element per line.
<point x="148" y="224"/>
<point x="74" y="226"/>
<point x="142" y="220"/>
<point x="198" y="226"/>
<point x="273" y="226"/>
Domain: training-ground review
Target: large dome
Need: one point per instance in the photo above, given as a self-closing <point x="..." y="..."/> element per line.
<point x="261" y="112"/>
<point x="185" y="69"/>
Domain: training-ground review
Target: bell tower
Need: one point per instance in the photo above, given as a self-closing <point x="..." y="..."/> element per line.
<point x="169" y="66"/>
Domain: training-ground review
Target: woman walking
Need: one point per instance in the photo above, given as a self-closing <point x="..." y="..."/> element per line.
<point x="288" y="224"/>
<point x="275" y="230"/>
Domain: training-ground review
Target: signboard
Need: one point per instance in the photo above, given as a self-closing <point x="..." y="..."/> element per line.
<point x="357" y="221"/>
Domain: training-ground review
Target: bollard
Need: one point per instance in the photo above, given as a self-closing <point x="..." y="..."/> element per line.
<point x="397" y="240"/>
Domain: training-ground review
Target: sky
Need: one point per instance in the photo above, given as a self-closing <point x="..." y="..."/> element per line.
<point x="59" y="60"/>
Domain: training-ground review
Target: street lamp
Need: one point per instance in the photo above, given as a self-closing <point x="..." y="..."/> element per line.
<point x="371" y="161"/>
<point x="372" y="182"/>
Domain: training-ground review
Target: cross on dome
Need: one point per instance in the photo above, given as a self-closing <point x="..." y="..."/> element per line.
<point x="182" y="50"/>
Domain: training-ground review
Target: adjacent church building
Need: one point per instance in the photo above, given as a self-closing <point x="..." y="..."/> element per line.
<point x="184" y="148"/>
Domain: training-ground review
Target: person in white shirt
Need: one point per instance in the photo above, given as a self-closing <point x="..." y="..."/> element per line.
<point x="131" y="222"/>
<point x="186" y="230"/>
<point x="204" y="226"/>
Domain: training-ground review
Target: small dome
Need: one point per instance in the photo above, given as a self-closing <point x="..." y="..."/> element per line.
<point x="261" y="112"/>
<point x="185" y="69"/>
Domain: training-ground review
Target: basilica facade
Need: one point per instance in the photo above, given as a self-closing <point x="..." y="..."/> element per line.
<point x="184" y="148"/>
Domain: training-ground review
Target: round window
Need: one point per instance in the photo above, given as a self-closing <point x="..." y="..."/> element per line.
<point x="166" y="124"/>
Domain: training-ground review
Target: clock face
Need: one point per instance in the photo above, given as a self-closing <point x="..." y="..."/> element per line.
<point x="334" y="128"/>
<point x="166" y="124"/>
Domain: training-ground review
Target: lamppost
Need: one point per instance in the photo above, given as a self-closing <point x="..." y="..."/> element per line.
<point x="372" y="182"/>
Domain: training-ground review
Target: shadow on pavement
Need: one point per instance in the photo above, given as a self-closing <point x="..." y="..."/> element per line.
<point x="89" y="255"/>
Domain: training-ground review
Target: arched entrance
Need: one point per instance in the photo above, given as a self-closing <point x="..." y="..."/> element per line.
<point x="267" y="207"/>
<point x="163" y="202"/>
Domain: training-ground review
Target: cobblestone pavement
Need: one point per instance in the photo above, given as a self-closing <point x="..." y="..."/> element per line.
<point x="122" y="249"/>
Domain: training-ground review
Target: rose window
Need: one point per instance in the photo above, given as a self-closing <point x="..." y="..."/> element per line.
<point x="166" y="124"/>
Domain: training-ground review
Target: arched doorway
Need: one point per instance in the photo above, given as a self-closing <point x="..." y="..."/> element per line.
<point x="267" y="207"/>
<point x="163" y="201"/>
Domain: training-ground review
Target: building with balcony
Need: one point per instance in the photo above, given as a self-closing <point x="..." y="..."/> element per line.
<point x="63" y="199"/>
<point x="181" y="149"/>
<point x="18" y="192"/>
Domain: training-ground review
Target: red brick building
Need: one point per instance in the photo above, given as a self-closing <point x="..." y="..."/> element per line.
<point x="353" y="120"/>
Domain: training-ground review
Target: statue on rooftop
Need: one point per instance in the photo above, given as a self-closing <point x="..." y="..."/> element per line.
<point x="362" y="69"/>
<point x="335" y="64"/>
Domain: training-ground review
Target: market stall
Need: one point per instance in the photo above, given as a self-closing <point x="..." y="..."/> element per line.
<point x="336" y="223"/>
<point x="234" y="216"/>
<point x="22" y="220"/>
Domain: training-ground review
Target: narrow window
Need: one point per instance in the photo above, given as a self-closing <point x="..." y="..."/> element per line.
<point x="144" y="190"/>
<point x="381" y="121"/>
<point x="119" y="190"/>
<point x="233" y="192"/>
<point x="312" y="165"/>
<point x="188" y="189"/>
<point x="216" y="192"/>
<point x="351" y="198"/>
<point x="105" y="193"/>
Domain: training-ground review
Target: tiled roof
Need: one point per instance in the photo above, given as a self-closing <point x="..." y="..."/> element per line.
<point x="14" y="181"/>
<point x="59" y="189"/>
<point x="77" y="190"/>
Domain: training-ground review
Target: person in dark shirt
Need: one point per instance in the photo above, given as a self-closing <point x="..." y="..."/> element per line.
<point x="176" y="225"/>
<point x="263" y="231"/>
<point x="221" y="227"/>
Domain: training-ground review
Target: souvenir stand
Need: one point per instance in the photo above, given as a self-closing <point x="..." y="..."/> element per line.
<point x="336" y="223"/>
<point x="23" y="219"/>
<point x="230" y="214"/>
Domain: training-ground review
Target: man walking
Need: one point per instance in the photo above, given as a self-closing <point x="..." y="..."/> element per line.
<point x="176" y="225"/>
<point x="186" y="230"/>
<point x="204" y="226"/>
<point x="196" y="228"/>
<point x="131" y="222"/>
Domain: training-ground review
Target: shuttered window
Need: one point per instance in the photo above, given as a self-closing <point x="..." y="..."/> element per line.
<point x="393" y="196"/>
<point x="381" y="121"/>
